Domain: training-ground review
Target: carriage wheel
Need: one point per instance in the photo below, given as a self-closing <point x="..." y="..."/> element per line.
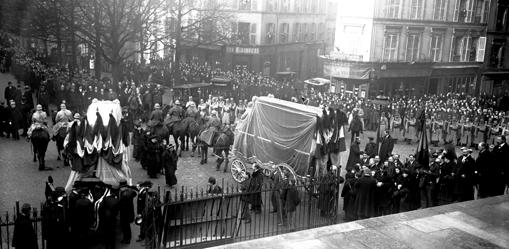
<point x="286" y="171"/>
<point x="238" y="169"/>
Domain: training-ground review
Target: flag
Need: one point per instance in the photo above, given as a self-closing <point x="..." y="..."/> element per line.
<point x="422" y="154"/>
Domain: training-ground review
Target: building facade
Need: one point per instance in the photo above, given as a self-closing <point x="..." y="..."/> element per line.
<point x="275" y="36"/>
<point x="496" y="66"/>
<point x="409" y="47"/>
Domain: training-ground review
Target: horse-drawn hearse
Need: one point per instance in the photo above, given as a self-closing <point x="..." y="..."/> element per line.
<point x="281" y="137"/>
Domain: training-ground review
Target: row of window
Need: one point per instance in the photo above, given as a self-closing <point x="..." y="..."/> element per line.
<point x="463" y="48"/>
<point x="300" y="32"/>
<point x="297" y="6"/>
<point x="467" y="11"/>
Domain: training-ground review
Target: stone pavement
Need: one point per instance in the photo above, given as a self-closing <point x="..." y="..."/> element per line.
<point x="474" y="224"/>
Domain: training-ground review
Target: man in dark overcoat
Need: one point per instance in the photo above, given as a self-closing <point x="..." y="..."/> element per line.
<point x="488" y="171"/>
<point x="500" y="153"/>
<point x="464" y="187"/>
<point x="355" y="154"/>
<point x="126" y="210"/>
<point x="365" y="190"/>
<point x="24" y="236"/>
<point x="386" y="147"/>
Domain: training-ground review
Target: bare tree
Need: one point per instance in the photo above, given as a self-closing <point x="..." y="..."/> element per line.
<point x="113" y="27"/>
<point x="196" y="23"/>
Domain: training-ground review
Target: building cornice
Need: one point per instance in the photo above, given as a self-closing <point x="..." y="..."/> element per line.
<point x="427" y="23"/>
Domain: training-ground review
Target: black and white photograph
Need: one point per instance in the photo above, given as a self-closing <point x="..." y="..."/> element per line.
<point x="227" y="124"/>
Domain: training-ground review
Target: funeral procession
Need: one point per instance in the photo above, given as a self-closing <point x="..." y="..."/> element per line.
<point x="254" y="124"/>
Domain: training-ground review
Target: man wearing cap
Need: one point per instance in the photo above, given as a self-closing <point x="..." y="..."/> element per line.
<point x="157" y="114"/>
<point x="24" y="236"/>
<point x="213" y="188"/>
<point x="176" y="113"/>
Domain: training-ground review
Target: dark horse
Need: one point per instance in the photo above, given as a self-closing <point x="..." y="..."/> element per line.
<point x="159" y="129"/>
<point x="221" y="143"/>
<point x="59" y="139"/>
<point x="179" y="131"/>
<point x="40" y="139"/>
<point x="193" y="130"/>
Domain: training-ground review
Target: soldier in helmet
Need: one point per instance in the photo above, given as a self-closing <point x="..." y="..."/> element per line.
<point x="175" y="114"/>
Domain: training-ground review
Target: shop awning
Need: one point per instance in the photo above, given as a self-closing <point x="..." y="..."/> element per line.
<point x="285" y="73"/>
<point x="192" y="85"/>
<point x="317" y="81"/>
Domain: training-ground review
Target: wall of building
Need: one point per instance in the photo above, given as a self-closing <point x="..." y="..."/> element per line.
<point x="354" y="27"/>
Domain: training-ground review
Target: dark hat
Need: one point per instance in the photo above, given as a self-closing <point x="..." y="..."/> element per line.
<point x="123" y="183"/>
<point x="212" y="180"/>
<point x="26" y="208"/>
<point x="371" y="138"/>
<point x="146" y="184"/>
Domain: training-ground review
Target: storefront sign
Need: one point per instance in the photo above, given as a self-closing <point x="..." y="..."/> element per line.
<point x="346" y="70"/>
<point x="242" y="50"/>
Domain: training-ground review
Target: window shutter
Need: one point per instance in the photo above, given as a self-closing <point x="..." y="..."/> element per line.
<point x="252" y="35"/>
<point x="481" y="47"/>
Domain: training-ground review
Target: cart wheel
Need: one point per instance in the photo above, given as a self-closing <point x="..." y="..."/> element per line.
<point x="238" y="170"/>
<point x="286" y="171"/>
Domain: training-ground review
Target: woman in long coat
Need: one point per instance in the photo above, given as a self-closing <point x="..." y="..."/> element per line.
<point x="170" y="159"/>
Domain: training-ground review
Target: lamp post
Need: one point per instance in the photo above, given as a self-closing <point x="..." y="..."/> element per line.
<point x="382" y="101"/>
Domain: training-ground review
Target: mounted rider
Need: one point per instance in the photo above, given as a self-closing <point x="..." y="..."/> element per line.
<point x="62" y="118"/>
<point x="212" y="126"/>
<point x="175" y="114"/>
<point x="156" y="115"/>
<point x="39" y="121"/>
<point x="192" y="111"/>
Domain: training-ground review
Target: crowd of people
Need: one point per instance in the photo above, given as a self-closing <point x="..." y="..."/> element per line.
<point x="381" y="183"/>
<point x="377" y="182"/>
<point x="87" y="216"/>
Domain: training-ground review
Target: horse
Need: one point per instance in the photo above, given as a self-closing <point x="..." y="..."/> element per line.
<point x="40" y="140"/>
<point x="179" y="131"/>
<point x="221" y="143"/>
<point x="59" y="140"/>
<point x="159" y="129"/>
<point x="195" y="126"/>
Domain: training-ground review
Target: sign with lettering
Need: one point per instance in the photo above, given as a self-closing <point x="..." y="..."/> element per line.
<point x="242" y="50"/>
